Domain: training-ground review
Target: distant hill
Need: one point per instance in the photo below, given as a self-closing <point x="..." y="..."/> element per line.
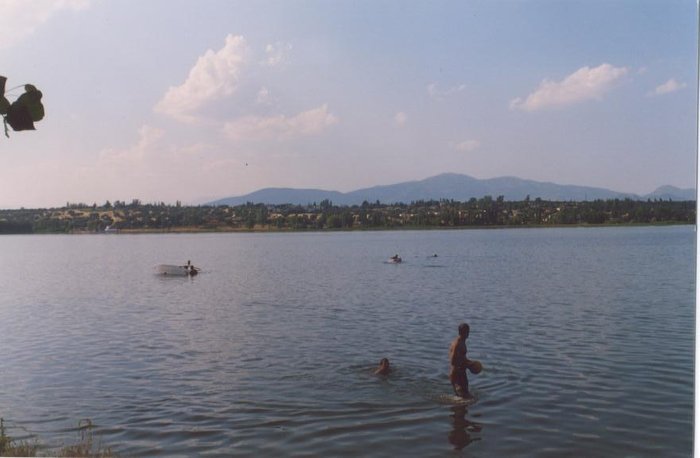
<point x="450" y="186"/>
<point x="671" y="192"/>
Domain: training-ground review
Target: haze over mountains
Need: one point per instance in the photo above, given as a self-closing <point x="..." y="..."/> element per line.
<point x="450" y="186"/>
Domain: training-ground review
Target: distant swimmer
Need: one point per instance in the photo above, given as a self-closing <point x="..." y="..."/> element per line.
<point x="459" y="363"/>
<point x="383" y="368"/>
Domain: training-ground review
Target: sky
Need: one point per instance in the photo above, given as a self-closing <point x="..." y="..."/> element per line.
<point x="194" y="100"/>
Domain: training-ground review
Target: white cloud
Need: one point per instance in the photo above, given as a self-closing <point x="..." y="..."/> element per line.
<point x="150" y="151"/>
<point x="669" y="86"/>
<point x="149" y="137"/>
<point x="309" y="122"/>
<point x="465" y="146"/>
<point x="276" y="53"/>
<point x="584" y="84"/>
<point x="400" y="118"/>
<point x="151" y="169"/>
<point x="133" y="167"/>
<point x="19" y="18"/>
<point x="264" y="97"/>
<point x="435" y="92"/>
<point x="216" y="74"/>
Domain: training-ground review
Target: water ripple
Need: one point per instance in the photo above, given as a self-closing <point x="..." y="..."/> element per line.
<point x="587" y="340"/>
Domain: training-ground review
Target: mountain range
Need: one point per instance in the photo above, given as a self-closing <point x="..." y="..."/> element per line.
<point x="450" y="186"/>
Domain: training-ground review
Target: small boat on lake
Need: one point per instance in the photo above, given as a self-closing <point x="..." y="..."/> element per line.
<point x="396" y="259"/>
<point x="177" y="271"/>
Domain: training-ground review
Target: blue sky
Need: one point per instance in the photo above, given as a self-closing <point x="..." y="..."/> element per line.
<point x="192" y="100"/>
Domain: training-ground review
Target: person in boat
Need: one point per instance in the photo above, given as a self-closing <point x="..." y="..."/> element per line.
<point x="191" y="270"/>
<point x="459" y="363"/>
<point x="396" y="258"/>
<point x="383" y="368"/>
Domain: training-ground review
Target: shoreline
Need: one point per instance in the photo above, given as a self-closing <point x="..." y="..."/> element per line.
<point x="275" y="230"/>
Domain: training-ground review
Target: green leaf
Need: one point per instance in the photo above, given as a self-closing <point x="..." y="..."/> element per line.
<point x="4" y="105"/>
<point x="23" y="112"/>
<point x="19" y="118"/>
<point x="32" y="100"/>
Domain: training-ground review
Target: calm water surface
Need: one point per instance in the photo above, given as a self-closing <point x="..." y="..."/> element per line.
<point x="586" y="336"/>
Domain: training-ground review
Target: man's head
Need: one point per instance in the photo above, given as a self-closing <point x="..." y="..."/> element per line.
<point x="463" y="330"/>
<point x="383" y="368"/>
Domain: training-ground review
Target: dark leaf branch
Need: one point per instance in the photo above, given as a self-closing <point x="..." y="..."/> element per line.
<point x="23" y="112"/>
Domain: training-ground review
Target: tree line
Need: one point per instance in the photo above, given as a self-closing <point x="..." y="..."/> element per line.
<point x="324" y="215"/>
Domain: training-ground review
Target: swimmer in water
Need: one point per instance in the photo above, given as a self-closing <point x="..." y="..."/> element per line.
<point x="383" y="368"/>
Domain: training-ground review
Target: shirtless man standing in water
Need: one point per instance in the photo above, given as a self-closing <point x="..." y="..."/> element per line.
<point x="459" y="363"/>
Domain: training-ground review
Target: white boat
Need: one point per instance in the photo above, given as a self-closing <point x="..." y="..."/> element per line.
<point x="176" y="271"/>
<point x="395" y="259"/>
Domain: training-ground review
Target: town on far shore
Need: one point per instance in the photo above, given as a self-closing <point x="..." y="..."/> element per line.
<point x="445" y="213"/>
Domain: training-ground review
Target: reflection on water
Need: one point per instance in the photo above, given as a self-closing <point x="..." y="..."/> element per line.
<point x="464" y="432"/>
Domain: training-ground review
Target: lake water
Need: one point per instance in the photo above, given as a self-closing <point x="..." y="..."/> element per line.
<point x="586" y="336"/>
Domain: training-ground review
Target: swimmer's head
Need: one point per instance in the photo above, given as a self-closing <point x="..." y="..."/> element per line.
<point x="383" y="368"/>
<point x="463" y="330"/>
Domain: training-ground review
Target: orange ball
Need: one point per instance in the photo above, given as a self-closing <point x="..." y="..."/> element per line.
<point x="475" y="367"/>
